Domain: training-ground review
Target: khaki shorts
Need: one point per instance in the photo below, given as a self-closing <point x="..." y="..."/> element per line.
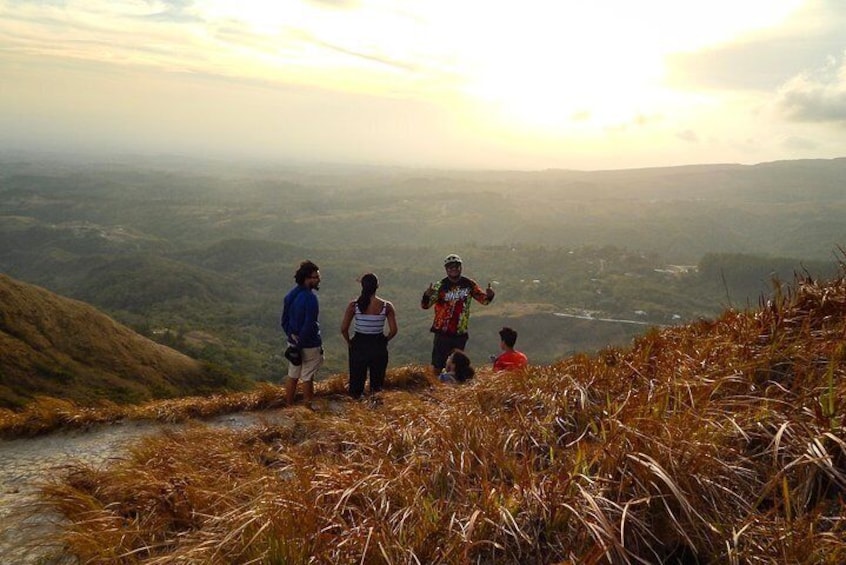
<point x="312" y="361"/>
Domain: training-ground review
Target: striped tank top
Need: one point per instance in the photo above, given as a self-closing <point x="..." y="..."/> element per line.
<point x="370" y="324"/>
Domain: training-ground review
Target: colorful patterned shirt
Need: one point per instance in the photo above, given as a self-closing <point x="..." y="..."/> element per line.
<point x="452" y="304"/>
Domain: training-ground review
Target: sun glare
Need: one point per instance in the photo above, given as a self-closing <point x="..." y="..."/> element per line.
<point x="563" y="69"/>
<point x="544" y="67"/>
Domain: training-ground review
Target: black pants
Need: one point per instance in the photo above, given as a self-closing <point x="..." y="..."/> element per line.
<point x="443" y="345"/>
<point x="367" y="352"/>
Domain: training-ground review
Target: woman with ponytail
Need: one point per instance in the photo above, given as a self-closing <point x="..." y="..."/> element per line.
<point x="368" y="347"/>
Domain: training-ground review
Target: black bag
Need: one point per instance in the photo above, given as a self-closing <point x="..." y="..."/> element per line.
<point x="294" y="355"/>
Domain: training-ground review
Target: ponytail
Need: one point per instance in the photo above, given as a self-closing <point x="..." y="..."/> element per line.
<point x="369" y="284"/>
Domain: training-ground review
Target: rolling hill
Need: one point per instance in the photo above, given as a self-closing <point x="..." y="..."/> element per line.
<point x="173" y="248"/>
<point x="55" y="346"/>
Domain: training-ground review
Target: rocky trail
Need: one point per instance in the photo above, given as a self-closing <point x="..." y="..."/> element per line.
<point x="26" y="463"/>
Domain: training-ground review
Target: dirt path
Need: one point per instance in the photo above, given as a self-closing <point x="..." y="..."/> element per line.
<point x="24" y="463"/>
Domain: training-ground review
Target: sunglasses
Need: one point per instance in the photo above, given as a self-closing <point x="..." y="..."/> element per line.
<point x="453" y="265"/>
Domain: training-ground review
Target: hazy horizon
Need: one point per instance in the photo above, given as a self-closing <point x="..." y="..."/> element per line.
<point x="521" y="86"/>
<point x="250" y="164"/>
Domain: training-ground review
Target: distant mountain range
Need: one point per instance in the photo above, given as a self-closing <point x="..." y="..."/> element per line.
<point x="55" y="346"/>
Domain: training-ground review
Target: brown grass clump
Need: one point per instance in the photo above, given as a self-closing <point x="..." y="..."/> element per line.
<point x="47" y="414"/>
<point x="719" y="442"/>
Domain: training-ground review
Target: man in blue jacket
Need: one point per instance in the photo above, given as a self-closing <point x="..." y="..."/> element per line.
<point x="299" y="321"/>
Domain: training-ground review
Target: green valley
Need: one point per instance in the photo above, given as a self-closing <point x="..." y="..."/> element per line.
<point x="197" y="255"/>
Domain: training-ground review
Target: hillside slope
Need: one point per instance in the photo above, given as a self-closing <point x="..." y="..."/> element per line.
<point x="55" y="346"/>
<point x="721" y="441"/>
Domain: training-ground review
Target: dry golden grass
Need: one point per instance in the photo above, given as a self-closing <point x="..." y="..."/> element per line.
<point x="53" y="346"/>
<point x="719" y="442"/>
<point x="47" y="414"/>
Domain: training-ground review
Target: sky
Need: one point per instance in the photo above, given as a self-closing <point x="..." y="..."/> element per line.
<point x="528" y="84"/>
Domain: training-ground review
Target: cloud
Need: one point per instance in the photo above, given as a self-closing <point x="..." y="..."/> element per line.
<point x="756" y="65"/>
<point x="765" y="60"/>
<point x="342" y="4"/>
<point x="688" y="135"/>
<point x="580" y="116"/>
<point x="349" y="79"/>
<point x="55" y="3"/>
<point x="817" y="96"/>
<point x="396" y="64"/>
<point x="799" y="143"/>
<point x="174" y="11"/>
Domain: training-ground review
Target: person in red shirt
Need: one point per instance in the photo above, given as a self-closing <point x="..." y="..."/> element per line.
<point x="510" y="359"/>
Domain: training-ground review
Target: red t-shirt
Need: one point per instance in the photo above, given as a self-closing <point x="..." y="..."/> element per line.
<point x="510" y="360"/>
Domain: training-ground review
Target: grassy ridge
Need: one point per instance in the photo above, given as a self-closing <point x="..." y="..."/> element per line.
<point x="58" y="347"/>
<point x="718" y="442"/>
